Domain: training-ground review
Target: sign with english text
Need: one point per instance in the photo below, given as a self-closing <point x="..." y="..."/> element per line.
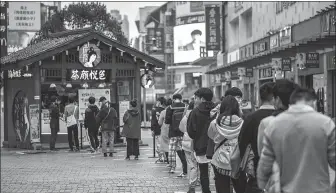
<point x="25" y="16"/>
<point x="212" y="25"/>
<point x="88" y="75"/>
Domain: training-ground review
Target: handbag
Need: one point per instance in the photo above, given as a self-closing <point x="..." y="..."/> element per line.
<point x="71" y="120"/>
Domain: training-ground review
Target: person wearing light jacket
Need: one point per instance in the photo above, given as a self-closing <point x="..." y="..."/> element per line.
<point x="189" y="151"/>
<point x="224" y="131"/>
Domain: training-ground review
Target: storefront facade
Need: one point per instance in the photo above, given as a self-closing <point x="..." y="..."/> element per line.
<point x="81" y="64"/>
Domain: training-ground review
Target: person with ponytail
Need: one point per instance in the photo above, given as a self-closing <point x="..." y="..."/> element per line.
<point x="132" y="130"/>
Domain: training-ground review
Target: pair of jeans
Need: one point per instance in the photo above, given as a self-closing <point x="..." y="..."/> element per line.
<point x="73" y="130"/>
<point x="193" y="168"/>
<point x="107" y="137"/>
<point x="223" y="183"/>
<point x="204" y="177"/>
<point x="53" y="138"/>
<point x="93" y="135"/>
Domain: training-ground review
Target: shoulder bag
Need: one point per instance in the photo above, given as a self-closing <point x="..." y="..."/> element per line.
<point x="71" y="120"/>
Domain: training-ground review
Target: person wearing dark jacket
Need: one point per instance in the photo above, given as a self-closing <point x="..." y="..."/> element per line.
<point x="155" y="126"/>
<point x="107" y="120"/>
<point x="132" y="130"/>
<point x="90" y="123"/>
<point x="174" y="115"/>
<point x="249" y="132"/>
<point x="54" y="122"/>
<point x="197" y="127"/>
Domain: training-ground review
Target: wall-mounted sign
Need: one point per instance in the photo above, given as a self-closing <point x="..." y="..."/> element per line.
<point x="3" y="28"/>
<point x="285" y="36"/>
<point x="234" y="75"/>
<point x="274" y="41"/>
<point x="312" y="60"/>
<point x="328" y="22"/>
<point x="19" y="74"/>
<point x="265" y="73"/>
<point x="248" y="50"/>
<point x="331" y="60"/>
<point x="80" y="74"/>
<point x="24" y="16"/>
<point x="89" y="55"/>
<point x="242" y="53"/>
<point x="260" y="47"/>
<point x="190" y="19"/>
<point x="158" y="35"/>
<point x="286" y="64"/>
<point x="241" y="72"/>
<point x="228" y="75"/>
<point x="212" y="25"/>
<point x="300" y="60"/>
<point x="249" y="72"/>
<point x="276" y="64"/>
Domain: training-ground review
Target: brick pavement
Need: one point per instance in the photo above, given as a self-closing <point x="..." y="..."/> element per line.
<point x="83" y="172"/>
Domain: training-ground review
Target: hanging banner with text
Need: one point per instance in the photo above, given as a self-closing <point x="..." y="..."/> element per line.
<point x="212" y="25"/>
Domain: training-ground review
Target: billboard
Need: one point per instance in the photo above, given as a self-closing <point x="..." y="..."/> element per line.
<point x="188" y="40"/>
<point x="25" y="16"/>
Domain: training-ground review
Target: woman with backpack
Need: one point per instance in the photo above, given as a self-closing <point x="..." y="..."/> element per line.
<point x="132" y="130"/>
<point x="224" y="131"/>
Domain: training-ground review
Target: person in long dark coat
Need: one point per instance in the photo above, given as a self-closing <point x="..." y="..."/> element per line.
<point x="132" y="130"/>
<point x="54" y="122"/>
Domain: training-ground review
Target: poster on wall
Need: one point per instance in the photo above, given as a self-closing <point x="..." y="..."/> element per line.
<point x="34" y="117"/>
<point x="123" y="107"/>
<point x="301" y="60"/>
<point x="85" y="94"/>
<point x="89" y="55"/>
<point x="24" y="16"/>
<point x="188" y="40"/>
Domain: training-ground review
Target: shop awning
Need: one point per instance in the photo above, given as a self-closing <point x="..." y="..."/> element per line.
<point x="305" y="45"/>
<point x="66" y="40"/>
<point x="155" y="15"/>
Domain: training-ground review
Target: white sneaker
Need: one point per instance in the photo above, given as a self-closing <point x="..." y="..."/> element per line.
<point x="182" y="175"/>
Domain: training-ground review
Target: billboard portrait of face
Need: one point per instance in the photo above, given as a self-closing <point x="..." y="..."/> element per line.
<point x="189" y="39"/>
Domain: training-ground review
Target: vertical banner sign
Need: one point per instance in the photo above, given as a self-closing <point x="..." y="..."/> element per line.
<point x="249" y="72"/>
<point x="3" y="27"/>
<point x="34" y="119"/>
<point x="312" y="60"/>
<point x="212" y="24"/>
<point x="286" y="64"/>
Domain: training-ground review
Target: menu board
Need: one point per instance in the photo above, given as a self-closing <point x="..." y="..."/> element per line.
<point x="34" y="117"/>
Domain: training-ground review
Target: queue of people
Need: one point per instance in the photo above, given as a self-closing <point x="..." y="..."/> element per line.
<point x="284" y="146"/>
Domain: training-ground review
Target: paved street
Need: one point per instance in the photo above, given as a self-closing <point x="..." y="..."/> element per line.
<point x="82" y="172"/>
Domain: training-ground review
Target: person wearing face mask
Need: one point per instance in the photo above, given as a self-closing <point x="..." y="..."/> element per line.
<point x="302" y="142"/>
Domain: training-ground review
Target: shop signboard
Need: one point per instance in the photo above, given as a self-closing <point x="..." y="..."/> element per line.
<point x="88" y="75"/>
<point x="234" y="75"/>
<point x="25" y="16"/>
<point x="212" y="25"/>
<point x="3" y="28"/>
<point x="14" y="74"/>
<point x="274" y="41"/>
<point x="286" y="64"/>
<point x="85" y="94"/>
<point x="261" y="46"/>
<point x="328" y="22"/>
<point x="265" y="73"/>
<point x="123" y="107"/>
<point x="227" y="75"/>
<point x="331" y="61"/>
<point x="312" y="60"/>
<point x="241" y="72"/>
<point x="89" y="55"/>
<point x="34" y="117"/>
<point x="158" y="35"/>
<point x="285" y="36"/>
<point x="300" y="60"/>
<point x="276" y="64"/>
<point x="249" y="72"/>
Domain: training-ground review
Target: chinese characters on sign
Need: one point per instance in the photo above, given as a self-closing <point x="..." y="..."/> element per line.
<point x="286" y="64"/>
<point x="212" y="23"/>
<point x="312" y="60"/>
<point x="88" y="75"/>
<point x="259" y="47"/>
<point x="3" y="28"/>
<point x="265" y="73"/>
<point x="190" y="19"/>
<point x="18" y="74"/>
<point x="24" y="16"/>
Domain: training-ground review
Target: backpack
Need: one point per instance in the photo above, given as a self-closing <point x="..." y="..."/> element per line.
<point x="177" y="117"/>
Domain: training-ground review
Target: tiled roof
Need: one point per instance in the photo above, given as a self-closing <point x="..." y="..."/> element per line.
<point x="41" y="47"/>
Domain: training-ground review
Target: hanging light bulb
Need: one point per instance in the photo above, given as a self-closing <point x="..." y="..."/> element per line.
<point x="85" y="85"/>
<point x="68" y="85"/>
<point x="52" y="85"/>
<point x="101" y="85"/>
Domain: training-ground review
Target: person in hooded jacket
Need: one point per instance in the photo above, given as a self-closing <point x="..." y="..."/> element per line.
<point x="90" y="123"/>
<point x="132" y="130"/>
<point x="224" y="131"/>
<point x="197" y="127"/>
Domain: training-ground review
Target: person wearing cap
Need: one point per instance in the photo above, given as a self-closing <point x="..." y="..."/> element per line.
<point x="54" y="122"/>
<point x="196" y="41"/>
<point x="107" y="120"/>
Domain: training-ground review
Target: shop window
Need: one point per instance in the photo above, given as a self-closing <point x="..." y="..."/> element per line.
<point x="203" y="52"/>
<point x="72" y="58"/>
<point x="107" y="58"/>
<point x="125" y="73"/>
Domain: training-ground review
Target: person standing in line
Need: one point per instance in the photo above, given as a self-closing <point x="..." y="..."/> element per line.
<point x="54" y="122"/>
<point x="90" y="123"/>
<point x="189" y="151"/>
<point x="107" y="119"/>
<point x="174" y="115"/>
<point x="249" y="132"/>
<point x="197" y="127"/>
<point x="224" y="131"/>
<point x="132" y="130"/>
<point x="155" y="127"/>
<point x="71" y="115"/>
<point x="302" y="142"/>
<point x="164" y="137"/>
